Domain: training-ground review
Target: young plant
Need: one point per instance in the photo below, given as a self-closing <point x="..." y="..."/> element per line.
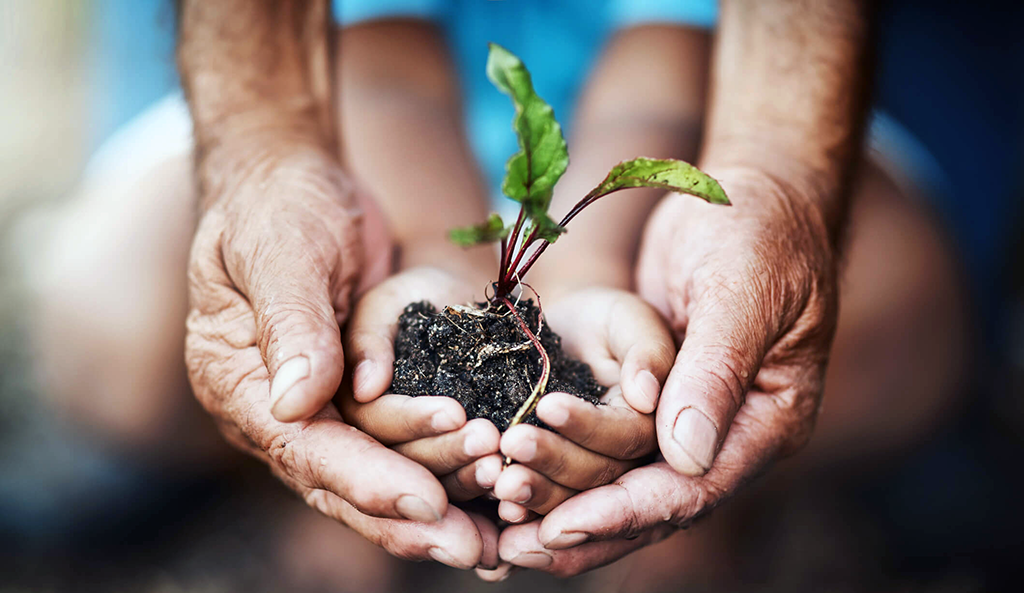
<point x="530" y="178"/>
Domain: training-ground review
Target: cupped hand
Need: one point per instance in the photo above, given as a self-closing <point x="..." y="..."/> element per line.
<point x="430" y="430"/>
<point x="274" y="261"/>
<point x="628" y="346"/>
<point x="753" y="289"/>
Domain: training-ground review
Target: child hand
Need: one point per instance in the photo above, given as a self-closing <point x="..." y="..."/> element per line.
<point x="628" y="346"/>
<point x="430" y="430"/>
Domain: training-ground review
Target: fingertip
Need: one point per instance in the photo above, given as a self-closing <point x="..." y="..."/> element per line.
<point x="291" y="395"/>
<point x="513" y="513"/>
<point x="520" y="443"/>
<point x="692" y="444"/>
<point x="642" y="392"/>
<point x="513" y="485"/>
<point x="487" y="471"/>
<point x="414" y="508"/>
<point x="503" y="572"/>
<point x="373" y="355"/>
<point x="554" y="409"/>
<point x="448" y="416"/>
<point x="644" y="370"/>
<point x="482" y="438"/>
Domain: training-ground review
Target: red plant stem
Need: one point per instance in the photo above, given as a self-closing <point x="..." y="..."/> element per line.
<point x="512" y="239"/>
<point x="510" y="273"/>
<point x="504" y="256"/>
<point x="586" y="201"/>
<point x="531" y="402"/>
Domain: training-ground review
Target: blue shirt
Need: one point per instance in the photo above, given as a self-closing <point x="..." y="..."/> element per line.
<point x="557" y="40"/>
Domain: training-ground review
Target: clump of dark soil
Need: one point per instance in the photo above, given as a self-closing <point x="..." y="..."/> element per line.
<point x="482" y="358"/>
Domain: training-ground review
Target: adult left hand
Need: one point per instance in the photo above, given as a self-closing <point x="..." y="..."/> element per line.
<point x="753" y="288"/>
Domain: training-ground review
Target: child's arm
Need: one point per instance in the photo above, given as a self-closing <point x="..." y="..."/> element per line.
<point x="403" y="139"/>
<point x="645" y="97"/>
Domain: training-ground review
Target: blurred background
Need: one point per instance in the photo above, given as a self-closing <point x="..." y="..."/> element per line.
<point x="83" y="512"/>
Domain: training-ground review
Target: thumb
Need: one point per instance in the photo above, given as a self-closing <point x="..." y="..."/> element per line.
<point x="717" y="363"/>
<point x="299" y="291"/>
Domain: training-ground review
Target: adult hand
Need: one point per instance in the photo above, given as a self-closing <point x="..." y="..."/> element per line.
<point x="626" y="344"/>
<point x="753" y="290"/>
<point x="274" y="261"/>
<point x="430" y="430"/>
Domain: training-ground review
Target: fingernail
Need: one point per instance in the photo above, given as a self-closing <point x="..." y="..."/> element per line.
<point x="475" y="445"/>
<point x="364" y="374"/>
<point x="443" y="421"/>
<point x="697" y="436"/>
<point x="415" y="508"/>
<point x="291" y="372"/>
<point x="486" y="474"/>
<point x="444" y="557"/>
<point x="523" y="495"/>
<point x="533" y="560"/>
<point x="567" y="539"/>
<point x="556" y="415"/>
<point x="649" y="387"/>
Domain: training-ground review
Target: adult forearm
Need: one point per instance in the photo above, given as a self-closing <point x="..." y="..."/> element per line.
<point x="788" y="95"/>
<point x="257" y="78"/>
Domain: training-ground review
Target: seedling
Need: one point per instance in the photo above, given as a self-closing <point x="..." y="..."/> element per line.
<point x="530" y="178"/>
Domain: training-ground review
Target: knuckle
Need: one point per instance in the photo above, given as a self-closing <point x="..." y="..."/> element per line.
<point x="297" y="317"/>
<point x="639" y="442"/>
<point x="719" y="371"/>
<point x="605" y="474"/>
<point x="281" y="449"/>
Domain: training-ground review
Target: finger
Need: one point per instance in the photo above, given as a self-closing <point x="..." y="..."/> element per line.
<point x="371" y="331"/>
<point x="327" y="454"/>
<point x="298" y="280"/>
<point x="559" y="459"/>
<point x="394" y="418"/>
<point x="369" y="340"/>
<point x="503" y="572"/>
<point x="320" y="453"/>
<point x="526" y="487"/>
<point x="717" y="363"/>
<point x="489" y="536"/>
<point x="455" y="541"/>
<point x="472" y="480"/>
<point x="519" y="545"/>
<point x="656" y="495"/>
<point x="448" y="452"/>
<point x="623" y="339"/>
<point x="613" y="430"/>
<point x="513" y="513"/>
<point x="639" y="338"/>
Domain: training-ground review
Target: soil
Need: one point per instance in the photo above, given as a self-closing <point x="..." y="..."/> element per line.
<point x="483" y="359"/>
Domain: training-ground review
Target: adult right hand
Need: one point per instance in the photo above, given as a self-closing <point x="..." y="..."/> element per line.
<point x="274" y="261"/>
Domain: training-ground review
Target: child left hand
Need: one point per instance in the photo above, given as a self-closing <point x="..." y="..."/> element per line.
<point x="628" y="346"/>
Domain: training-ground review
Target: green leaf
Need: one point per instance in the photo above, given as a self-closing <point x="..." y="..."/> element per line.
<point x="531" y="173"/>
<point x="547" y="228"/>
<point x="486" y="232"/>
<point x="668" y="174"/>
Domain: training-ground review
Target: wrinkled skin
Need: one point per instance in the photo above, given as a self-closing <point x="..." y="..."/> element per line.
<point x="753" y="290"/>
<point x="273" y="266"/>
